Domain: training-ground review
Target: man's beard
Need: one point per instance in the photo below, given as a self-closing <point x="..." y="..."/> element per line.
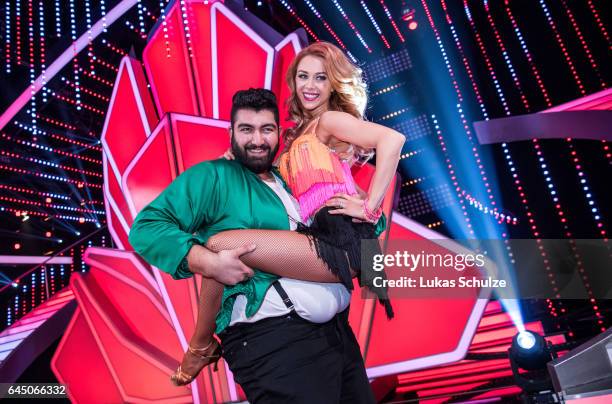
<point x="256" y="164"/>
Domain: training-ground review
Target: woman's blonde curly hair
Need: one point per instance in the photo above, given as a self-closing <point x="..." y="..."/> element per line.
<point x="349" y="92"/>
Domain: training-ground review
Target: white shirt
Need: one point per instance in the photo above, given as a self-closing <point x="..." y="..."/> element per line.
<point x="315" y="302"/>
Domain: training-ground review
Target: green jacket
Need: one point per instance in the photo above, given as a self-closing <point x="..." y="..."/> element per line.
<point x="206" y="199"/>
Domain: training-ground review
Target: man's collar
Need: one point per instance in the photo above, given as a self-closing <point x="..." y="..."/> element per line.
<point x="275" y="171"/>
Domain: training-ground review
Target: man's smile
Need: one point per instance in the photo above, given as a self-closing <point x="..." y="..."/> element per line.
<point x="258" y="151"/>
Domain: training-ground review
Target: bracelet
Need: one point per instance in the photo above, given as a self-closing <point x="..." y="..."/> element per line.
<point x="371" y="216"/>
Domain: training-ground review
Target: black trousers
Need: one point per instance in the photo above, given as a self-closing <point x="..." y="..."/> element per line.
<point x="290" y="360"/>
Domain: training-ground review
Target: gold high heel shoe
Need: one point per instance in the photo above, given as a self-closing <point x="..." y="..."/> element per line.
<point x="181" y="378"/>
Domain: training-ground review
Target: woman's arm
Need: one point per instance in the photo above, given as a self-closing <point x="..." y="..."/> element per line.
<point x="387" y="142"/>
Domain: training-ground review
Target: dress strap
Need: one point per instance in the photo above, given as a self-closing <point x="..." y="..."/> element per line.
<point x="313" y="124"/>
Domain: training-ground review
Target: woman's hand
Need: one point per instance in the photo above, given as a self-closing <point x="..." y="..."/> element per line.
<point x="228" y="155"/>
<point x="350" y="205"/>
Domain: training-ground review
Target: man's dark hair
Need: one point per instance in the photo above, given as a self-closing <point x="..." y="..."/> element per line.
<point x="256" y="99"/>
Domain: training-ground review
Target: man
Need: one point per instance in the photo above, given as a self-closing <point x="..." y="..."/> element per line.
<point x="278" y="348"/>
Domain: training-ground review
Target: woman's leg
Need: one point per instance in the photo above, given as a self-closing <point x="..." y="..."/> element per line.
<point x="211" y="293"/>
<point x="209" y="304"/>
<point x="279" y="252"/>
<point x="291" y="254"/>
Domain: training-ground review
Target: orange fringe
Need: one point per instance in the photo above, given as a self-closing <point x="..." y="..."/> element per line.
<point x="309" y="162"/>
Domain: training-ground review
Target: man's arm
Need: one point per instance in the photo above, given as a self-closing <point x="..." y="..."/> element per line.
<point x="163" y="231"/>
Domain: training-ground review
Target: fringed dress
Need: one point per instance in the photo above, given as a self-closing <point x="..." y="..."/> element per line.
<point x="315" y="173"/>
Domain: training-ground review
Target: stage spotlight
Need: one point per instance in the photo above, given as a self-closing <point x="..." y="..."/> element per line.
<point x="17" y="246"/>
<point x="531" y="352"/>
<point x="525" y="339"/>
<point x="98" y="225"/>
<point x="78" y="233"/>
<point x="15" y="284"/>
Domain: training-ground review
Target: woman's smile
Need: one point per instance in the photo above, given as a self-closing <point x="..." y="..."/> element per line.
<point x="310" y="96"/>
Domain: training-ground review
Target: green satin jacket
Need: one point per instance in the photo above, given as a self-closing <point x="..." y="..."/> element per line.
<point x="206" y="199"/>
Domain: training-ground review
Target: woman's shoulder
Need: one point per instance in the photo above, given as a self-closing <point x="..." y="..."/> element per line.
<point x="331" y="119"/>
<point x="333" y="122"/>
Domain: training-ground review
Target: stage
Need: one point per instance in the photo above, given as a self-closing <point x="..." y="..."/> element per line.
<point x="506" y="110"/>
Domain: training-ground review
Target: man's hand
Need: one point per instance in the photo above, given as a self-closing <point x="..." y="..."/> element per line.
<point x="225" y="266"/>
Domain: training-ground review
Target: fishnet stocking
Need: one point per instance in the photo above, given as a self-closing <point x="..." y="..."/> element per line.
<point x="280" y="252"/>
<point x="293" y="255"/>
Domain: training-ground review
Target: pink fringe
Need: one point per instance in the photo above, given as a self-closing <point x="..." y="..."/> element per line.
<point x="319" y="193"/>
<point x="314" y="179"/>
<point x="349" y="180"/>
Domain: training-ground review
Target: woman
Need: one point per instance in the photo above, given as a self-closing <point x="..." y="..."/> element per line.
<point x="327" y="101"/>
